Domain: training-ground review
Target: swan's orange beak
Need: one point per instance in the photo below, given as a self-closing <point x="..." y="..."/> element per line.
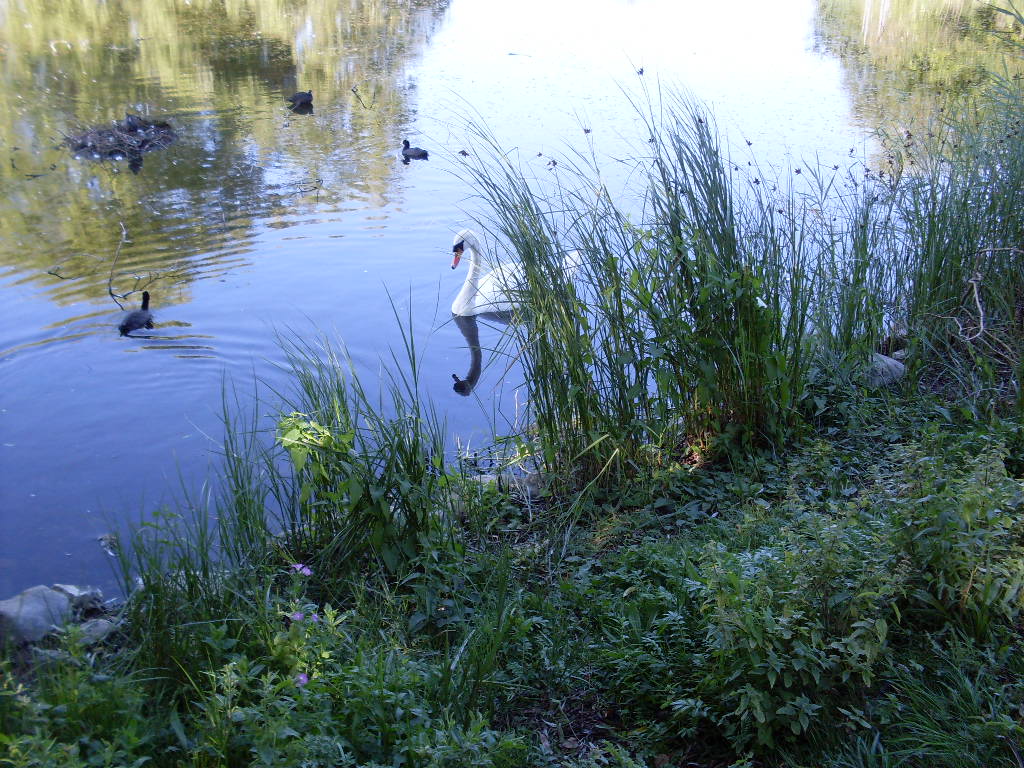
<point x="457" y="251"/>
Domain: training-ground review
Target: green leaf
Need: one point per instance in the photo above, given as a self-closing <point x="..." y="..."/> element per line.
<point x="390" y="557"/>
<point x="179" y="730"/>
<point x="355" y="492"/>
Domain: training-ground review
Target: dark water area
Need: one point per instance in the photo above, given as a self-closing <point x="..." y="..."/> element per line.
<point x="259" y="220"/>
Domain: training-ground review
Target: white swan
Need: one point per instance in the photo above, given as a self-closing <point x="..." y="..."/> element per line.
<point x="495" y="291"/>
<point x="488" y="293"/>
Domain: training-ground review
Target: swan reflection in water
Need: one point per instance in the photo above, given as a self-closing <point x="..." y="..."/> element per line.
<point x="469" y="327"/>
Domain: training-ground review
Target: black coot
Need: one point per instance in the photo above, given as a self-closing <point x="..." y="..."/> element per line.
<point x="137" y="318"/>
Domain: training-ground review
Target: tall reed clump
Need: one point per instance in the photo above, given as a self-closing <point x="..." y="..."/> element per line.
<point x="683" y="327"/>
<point x="733" y="292"/>
<point x="963" y="260"/>
<point x="370" y="475"/>
<point x="708" y="314"/>
<point x="348" y="480"/>
<point x="189" y="579"/>
<point x="559" y="348"/>
<point x="967" y="292"/>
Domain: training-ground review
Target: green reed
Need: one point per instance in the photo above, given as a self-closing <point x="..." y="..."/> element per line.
<point x="683" y="329"/>
<point x="350" y="479"/>
<point x="964" y="263"/>
<point x="369" y="470"/>
<point x="694" y="325"/>
<point x="734" y="270"/>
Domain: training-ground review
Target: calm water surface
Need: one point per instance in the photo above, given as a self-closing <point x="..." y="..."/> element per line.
<point x="258" y="221"/>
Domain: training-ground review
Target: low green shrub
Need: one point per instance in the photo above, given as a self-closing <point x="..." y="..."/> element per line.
<point x="792" y="633"/>
<point x="959" y="523"/>
<point x="355" y="502"/>
<point x="83" y="710"/>
<point x="333" y="695"/>
<point x="759" y="645"/>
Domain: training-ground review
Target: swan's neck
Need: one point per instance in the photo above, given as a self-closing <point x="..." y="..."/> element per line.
<point x="475" y="265"/>
<point x="469" y="286"/>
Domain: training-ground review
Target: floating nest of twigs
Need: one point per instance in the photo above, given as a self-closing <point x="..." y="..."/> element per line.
<point x="128" y="140"/>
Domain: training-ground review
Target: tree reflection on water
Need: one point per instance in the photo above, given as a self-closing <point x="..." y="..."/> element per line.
<point x="219" y="76"/>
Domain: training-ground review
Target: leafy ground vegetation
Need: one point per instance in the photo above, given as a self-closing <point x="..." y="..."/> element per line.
<point x="715" y="545"/>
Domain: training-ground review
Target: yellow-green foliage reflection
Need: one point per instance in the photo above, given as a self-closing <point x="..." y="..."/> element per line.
<point x="219" y="71"/>
<point x="902" y="57"/>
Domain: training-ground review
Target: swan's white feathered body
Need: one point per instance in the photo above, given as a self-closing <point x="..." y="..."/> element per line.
<point x="494" y="291"/>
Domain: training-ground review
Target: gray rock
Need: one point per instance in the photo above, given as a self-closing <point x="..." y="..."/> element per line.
<point x="33" y="614"/>
<point x="95" y="630"/>
<point x="52" y="656"/>
<point x="82" y="598"/>
<point x="532" y="483"/>
<point x="884" y="370"/>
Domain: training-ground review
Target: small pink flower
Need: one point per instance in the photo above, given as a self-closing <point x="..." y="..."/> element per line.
<point x="301" y="679"/>
<point x="297" y="616"/>
<point x="301" y="569"/>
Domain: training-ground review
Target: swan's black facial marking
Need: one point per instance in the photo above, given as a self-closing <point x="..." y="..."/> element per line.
<point x="457" y="250"/>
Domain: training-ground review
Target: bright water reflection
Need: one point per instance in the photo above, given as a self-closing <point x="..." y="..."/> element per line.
<point x="258" y="220"/>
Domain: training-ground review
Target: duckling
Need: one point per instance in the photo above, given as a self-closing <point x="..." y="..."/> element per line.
<point x="137" y="318"/>
<point x="413" y="153"/>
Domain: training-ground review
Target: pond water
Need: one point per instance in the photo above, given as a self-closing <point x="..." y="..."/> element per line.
<point x="258" y="221"/>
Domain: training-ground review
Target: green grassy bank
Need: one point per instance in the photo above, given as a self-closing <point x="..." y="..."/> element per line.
<point x="739" y="553"/>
